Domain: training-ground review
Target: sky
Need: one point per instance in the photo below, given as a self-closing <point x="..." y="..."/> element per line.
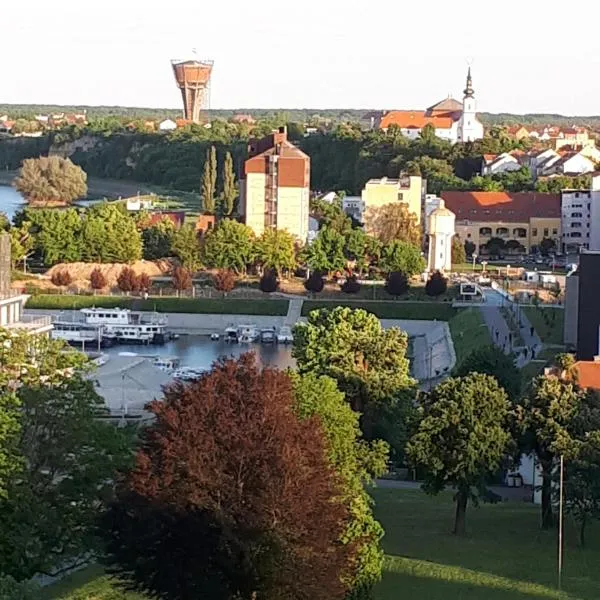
<point x="379" y="54"/>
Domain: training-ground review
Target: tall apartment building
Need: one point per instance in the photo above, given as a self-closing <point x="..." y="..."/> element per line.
<point x="275" y="186"/>
<point x="580" y="216"/>
<point x="379" y="192"/>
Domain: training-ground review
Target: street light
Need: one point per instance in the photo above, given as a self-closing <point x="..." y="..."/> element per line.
<point x="474" y="259"/>
<point x="560" y="523"/>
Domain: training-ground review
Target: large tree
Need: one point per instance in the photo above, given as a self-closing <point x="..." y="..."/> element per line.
<point x="368" y="362"/>
<point x="158" y="239"/>
<point x="57" y="234"/>
<point x="230" y="245"/>
<point x="51" y="179"/>
<point x="209" y="181"/>
<point x="232" y="496"/>
<point x="326" y="253"/>
<point x="275" y="250"/>
<point x="461" y="438"/>
<point x="229" y="190"/>
<point x="401" y="256"/>
<point x="186" y="247"/>
<point x="393" y="222"/>
<point x="459" y="254"/>
<point x="356" y="462"/>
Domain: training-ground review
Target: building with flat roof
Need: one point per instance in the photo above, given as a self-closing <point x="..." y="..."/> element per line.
<point x="275" y="186"/>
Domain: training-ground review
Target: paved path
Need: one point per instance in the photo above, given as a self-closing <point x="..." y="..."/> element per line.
<point x="294" y="311"/>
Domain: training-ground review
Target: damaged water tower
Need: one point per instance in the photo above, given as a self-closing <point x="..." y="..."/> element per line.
<point x="193" y="79"/>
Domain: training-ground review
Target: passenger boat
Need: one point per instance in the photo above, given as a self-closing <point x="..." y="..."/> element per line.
<point x="80" y="334"/>
<point x="267" y="336"/>
<point x="231" y="335"/>
<point x="285" y="335"/>
<point x="247" y="334"/>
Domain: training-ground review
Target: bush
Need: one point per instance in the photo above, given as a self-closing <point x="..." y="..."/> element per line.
<point x="315" y="283"/>
<point x="15" y="590"/>
<point x="436" y="285"/>
<point x="396" y="283"/>
<point x="61" y="278"/>
<point x="127" y="280"/>
<point x="224" y="280"/>
<point x="97" y="279"/>
<point x="268" y="282"/>
<point x="351" y="285"/>
<point x="182" y="280"/>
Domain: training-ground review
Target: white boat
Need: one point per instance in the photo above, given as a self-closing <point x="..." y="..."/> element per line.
<point x="80" y="334"/>
<point x="231" y="335"/>
<point x="285" y="335"/>
<point x="164" y="363"/>
<point x="267" y="336"/>
<point x="214" y="337"/>
<point x="187" y="374"/>
<point x="247" y="334"/>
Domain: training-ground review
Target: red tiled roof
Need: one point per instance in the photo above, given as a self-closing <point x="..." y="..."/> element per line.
<point x="414" y="119"/>
<point x="516" y="207"/>
<point x="176" y="217"/>
<point x="588" y="374"/>
<point x="490" y="157"/>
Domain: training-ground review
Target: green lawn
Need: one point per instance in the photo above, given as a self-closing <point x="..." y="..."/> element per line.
<point x="535" y="367"/>
<point x="504" y="557"/>
<point x="547" y="322"/>
<point x="441" y="311"/>
<point x="240" y="306"/>
<point x="468" y="267"/>
<point x="468" y="332"/>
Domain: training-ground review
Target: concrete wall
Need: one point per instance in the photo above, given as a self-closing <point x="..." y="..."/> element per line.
<point x="292" y="211"/>
<point x="571" y="310"/>
<point x="254" y="202"/>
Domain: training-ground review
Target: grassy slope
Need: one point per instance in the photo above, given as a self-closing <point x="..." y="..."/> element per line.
<point x="468" y="332"/>
<point x="240" y="306"/>
<point x="551" y="327"/>
<point x="389" y="310"/>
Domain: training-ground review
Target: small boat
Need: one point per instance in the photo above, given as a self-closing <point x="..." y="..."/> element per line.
<point x="285" y="335"/>
<point x="231" y="335"/>
<point x="247" y="334"/>
<point x="188" y="374"/>
<point x="164" y="363"/>
<point x="267" y="336"/>
<point x="214" y="337"/>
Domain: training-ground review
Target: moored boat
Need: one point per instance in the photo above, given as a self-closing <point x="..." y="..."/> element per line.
<point x="285" y="335"/>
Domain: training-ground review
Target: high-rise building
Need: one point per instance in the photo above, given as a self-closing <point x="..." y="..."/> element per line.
<point x="193" y="79"/>
<point x="275" y="186"/>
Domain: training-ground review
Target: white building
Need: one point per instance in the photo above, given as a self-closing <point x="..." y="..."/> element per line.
<point x="354" y="206"/>
<point x="503" y="163"/>
<point x="452" y="120"/>
<point x="580" y="218"/>
<point x="441" y="232"/>
<point x="167" y="125"/>
<point x="570" y="163"/>
<point x="430" y="203"/>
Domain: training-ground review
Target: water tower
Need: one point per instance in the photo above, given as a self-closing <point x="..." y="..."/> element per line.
<point x="441" y="231"/>
<point x="193" y="79"/>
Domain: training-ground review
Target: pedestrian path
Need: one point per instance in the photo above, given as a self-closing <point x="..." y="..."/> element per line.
<point x="294" y="311"/>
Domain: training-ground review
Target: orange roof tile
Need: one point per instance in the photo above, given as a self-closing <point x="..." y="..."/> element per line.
<point x="407" y="119"/>
<point x="588" y="374"/>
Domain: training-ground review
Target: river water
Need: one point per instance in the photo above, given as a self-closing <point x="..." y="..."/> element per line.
<point x="200" y="352"/>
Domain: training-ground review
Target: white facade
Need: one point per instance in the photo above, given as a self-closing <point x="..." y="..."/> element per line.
<point x="431" y="203"/>
<point x="469" y="127"/>
<point x="354" y="206"/>
<point x="580" y="219"/>
<point x="503" y="163"/>
<point x="167" y="125"/>
<point x="441" y="232"/>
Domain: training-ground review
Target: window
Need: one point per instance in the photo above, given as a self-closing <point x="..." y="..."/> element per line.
<point x="400" y="196"/>
<point x="575" y="224"/>
<point x="576" y="214"/>
<point x="468" y="235"/>
<point x="534" y="232"/>
<point x="555" y="231"/>
<point x="576" y="234"/>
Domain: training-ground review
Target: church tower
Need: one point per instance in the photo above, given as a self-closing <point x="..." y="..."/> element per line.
<point x="469" y="127"/>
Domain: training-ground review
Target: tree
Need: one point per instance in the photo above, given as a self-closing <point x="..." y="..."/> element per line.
<point x="459" y="255"/>
<point x="544" y="416"/>
<point x="491" y="360"/>
<point x="275" y="250"/>
<point x="224" y="280"/>
<point x="393" y="222"/>
<point x="69" y="459"/>
<point x="175" y="513"/>
<point x="547" y="245"/>
<point x="61" y="278"/>
<point x="315" y="282"/>
<point x="208" y="186"/>
<point x="230" y="245"/>
<point x="351" y="285"/>
<point x="51" y="179"/>
<point x="182" y="280"/>
<point x="396" y="283"/>
<point x="21" y="242"/>
<point x="268" y="282"/>
<point x="356" y="462"/>
<point x="144" y="282"/>
<point x="470" y="248"/>
<point x="229" y="191"/>
<point x="330" y="214"/>
<point x="97" y="279"/>
<point x="128" y="281"/>
<point x="158" y="239"/>
<point x="186" y="247"/>
<point x="436" y="285"/>
<point x="495" y="246"/>
<point x="57" y="234"/>
<point x="355" y="248"/>
<point x="326" y="252"/>
<point x="401" y="256"/>
<point x="368" y="362"/>
<point x="461" y="438"/>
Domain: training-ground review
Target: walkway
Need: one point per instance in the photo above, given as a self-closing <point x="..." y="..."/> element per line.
<point x="294" y="311"/>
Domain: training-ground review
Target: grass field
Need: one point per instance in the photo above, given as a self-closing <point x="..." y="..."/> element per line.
<point x="547" y="322"/>
<point x="468" y="332"/>
<point x="505" y="555"/>
<point x="239" y="306"/>
<point x="389" y="310"/>
<point x="468" y="267"/>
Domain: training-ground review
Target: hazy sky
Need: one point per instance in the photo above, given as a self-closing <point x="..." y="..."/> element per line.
<point x="527" y="55"/>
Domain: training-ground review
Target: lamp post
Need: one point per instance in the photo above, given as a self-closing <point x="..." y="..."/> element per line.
<point x="474" y="256"/>
<point x="560" y="523"/>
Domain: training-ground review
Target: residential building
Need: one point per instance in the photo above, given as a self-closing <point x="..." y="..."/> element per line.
<point x="503" y="163"/>
<point x="521" y="219"/>
<point x="275" y="186"/>
<point x="576" y="137"/>
<point x="452" y="120"/>
<point x="380" y="192"/>
<point x="12" y="302"/>
<point x="441" y="231"/>
<point x="569" y="163"/>
<point x="354" y="207"/>
<point x="518" y="131"/>
<point x="580" y="218"/>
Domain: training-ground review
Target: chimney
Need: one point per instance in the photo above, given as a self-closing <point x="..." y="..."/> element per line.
<point x="280" y="135"/>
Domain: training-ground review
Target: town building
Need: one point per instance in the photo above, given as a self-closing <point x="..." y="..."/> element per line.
<point x="431" y="202"/>
<point x="380" y="192"/>
<point x="580" y="218"/>
<point x="441" y="231"/>
<point x="452" y="120"/>
<point x="521" y="220"/>
<point x="494" y="164"/>
<point x="275" y="186"/>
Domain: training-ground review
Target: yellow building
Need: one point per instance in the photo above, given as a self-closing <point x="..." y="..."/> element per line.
<point x="274" y="190"/>
<point x="379" y="192"/>
<point x="522" y="220"/>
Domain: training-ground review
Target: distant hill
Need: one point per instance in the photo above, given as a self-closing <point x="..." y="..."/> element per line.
<point x="295" y="114"/>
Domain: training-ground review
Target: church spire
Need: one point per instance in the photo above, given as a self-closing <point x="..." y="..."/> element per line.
<point x="468" y="91"/>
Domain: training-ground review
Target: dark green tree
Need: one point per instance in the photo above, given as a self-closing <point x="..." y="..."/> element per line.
<point x="275" y="250"/>
<point x="401" y="256"/>
<point x="470" y="248"/>
<point x="461" y="438"/>
<point x="158" y="239"/>
<point x="229" y="190"/>
<point x="326" y="252"/>
<point x="230" y="245"/>
<point x="436" y="285"/>
<point x="459" y="255"/>
<point x="396" y="283"/>
<point x="209" y="181"/>
<point x="186" y="247"/>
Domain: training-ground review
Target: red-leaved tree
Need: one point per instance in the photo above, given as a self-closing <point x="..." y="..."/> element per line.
<point x="232" y="496"/>
<point x="127" y="280"/>
<point x="224" y="280"/>
<point x="97" y="279"/>
<point x="61" y="278"/>
<point x="144" y="282"/>
<point x="182" y="280"/>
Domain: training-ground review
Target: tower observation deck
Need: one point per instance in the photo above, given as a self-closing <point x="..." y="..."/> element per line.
<point x="193" y="79"/>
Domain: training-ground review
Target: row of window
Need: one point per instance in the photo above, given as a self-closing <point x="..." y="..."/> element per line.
<point x="519" y="232"/>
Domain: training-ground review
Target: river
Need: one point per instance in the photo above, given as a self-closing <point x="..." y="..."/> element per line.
<point x="200" y="352"/>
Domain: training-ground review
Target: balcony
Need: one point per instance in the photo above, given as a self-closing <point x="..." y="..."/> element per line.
<point x="31" y="323"/>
